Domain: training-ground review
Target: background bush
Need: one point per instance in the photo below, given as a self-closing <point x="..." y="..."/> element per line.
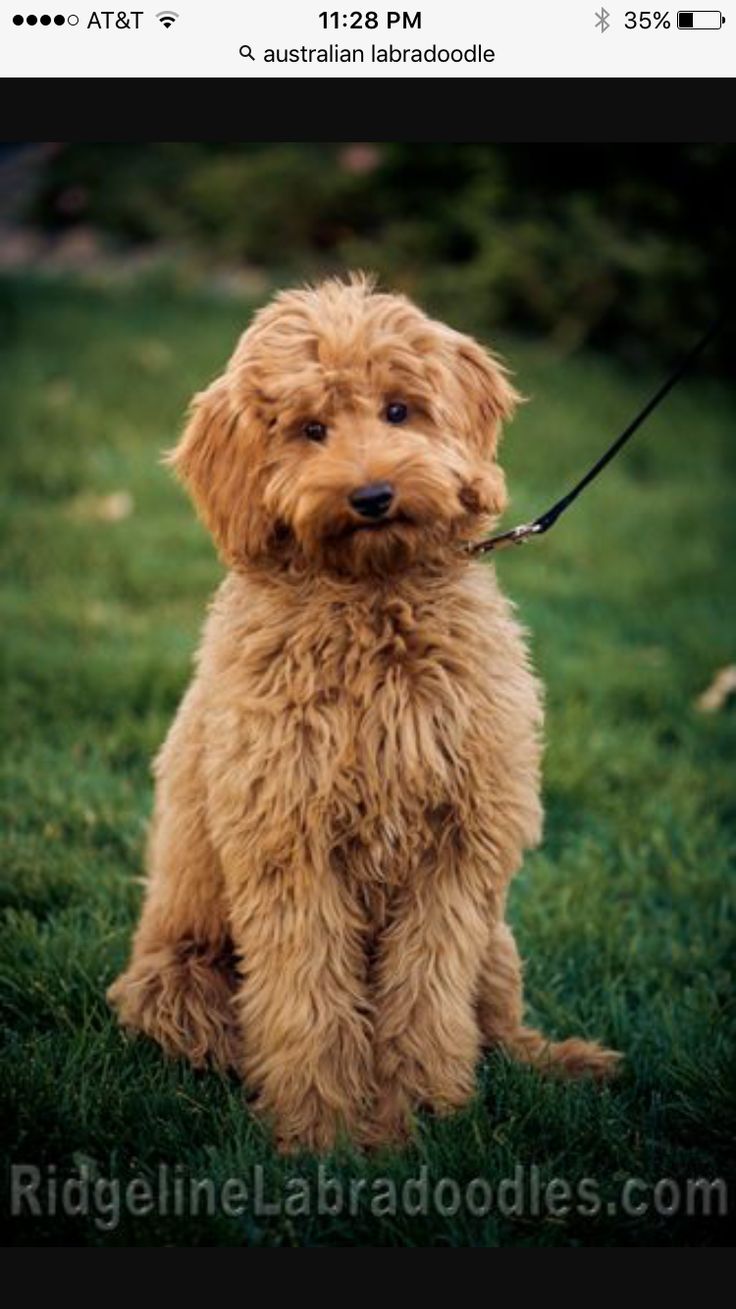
<point x="623" y="247"/>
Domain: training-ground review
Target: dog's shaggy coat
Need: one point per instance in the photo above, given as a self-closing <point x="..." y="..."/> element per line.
<point x="353" y="775"/>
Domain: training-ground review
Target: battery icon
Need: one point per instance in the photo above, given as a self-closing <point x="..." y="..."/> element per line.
<point x="700" y="19"/>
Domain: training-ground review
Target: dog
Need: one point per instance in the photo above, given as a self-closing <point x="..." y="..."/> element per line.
<point x="353" y="775"/>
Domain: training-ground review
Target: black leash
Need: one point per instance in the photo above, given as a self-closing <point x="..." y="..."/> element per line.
<point x="518" y="535"/>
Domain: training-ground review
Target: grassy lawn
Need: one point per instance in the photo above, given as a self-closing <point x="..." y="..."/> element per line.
<point x="625" y="916"/>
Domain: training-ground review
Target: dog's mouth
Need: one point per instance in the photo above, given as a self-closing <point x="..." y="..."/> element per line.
<point x="398" y="519"/>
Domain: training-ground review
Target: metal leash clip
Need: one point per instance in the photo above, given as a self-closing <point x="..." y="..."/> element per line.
<point x="516" y="536"/>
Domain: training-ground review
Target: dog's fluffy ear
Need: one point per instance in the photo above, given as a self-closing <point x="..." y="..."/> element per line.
<point x="484" y="493"/>
<point x="215" y="461"/>
<point x="484" y="399"/>
<point x="487" y="394"/>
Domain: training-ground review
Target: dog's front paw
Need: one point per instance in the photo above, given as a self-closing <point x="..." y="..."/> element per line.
<point x="320" y="1136"/>
<point x="391" y="1124"/>
<point x="307" y="1123"/>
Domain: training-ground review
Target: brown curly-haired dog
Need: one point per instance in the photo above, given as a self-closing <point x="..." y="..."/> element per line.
<point x="353" y="774"/>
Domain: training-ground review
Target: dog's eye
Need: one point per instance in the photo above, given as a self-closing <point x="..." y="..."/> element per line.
<point x="396" y="412"/>
<point x="314" y="431"/>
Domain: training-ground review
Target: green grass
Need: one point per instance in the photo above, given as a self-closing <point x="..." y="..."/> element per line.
<point x="625" y="915"/>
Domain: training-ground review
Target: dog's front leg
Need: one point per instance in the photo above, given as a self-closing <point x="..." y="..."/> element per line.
<point x="427" y="1037"/>
<point x="304" y="1013"/>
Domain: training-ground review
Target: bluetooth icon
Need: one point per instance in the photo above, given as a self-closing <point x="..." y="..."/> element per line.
<point x="602" y="20"/>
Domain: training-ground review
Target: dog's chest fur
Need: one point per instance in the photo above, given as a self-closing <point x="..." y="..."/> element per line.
<point x="356" y="726"/>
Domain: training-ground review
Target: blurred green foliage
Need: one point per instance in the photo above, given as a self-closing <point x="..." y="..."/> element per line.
<point x="622" y="247"/>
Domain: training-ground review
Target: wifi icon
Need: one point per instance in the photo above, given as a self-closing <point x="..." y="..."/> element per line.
<point x="167" y="17"/>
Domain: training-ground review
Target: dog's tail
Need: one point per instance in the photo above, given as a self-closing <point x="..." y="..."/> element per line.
<point x="571" y="1058"/>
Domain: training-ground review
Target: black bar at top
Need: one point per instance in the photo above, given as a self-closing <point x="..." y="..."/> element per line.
<point x="539" y="110"/>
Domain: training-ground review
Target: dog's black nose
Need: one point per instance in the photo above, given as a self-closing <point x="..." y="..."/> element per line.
<point x="373" y="501"/>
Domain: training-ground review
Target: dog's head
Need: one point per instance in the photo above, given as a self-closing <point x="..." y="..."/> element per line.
<point x="349" y="431"/>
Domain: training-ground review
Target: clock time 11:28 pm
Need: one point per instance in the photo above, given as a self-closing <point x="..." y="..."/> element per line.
<point x="371" y="19"/>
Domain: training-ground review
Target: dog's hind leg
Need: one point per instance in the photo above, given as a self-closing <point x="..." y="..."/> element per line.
<point x="500" y="1014"/>
<point x="179" y="983"/>
<point x="180" y="996"/>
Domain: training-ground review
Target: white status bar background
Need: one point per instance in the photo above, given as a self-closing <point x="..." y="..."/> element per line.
<point x="529" y="38"/>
